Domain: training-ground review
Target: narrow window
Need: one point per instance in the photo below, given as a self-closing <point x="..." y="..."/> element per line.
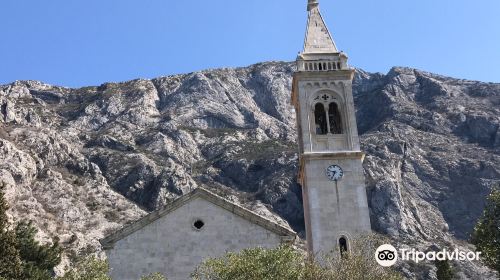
<point x="315" y="66"/>
<point x="320" y="67"/>
<point x="343" y="246"/>
<point x="324" y="66"/>
<point x="334" y="119"/>
<point x="338" y="66"/>
<point x="306" y="66"/>
<point x="320" y="119"/>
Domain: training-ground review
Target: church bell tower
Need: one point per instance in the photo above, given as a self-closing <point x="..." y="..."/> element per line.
<point x="331" y="172"/>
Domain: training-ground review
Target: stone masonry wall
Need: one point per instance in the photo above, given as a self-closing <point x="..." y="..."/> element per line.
<point x="173" y="246"/>
<point x="336" y="209"/>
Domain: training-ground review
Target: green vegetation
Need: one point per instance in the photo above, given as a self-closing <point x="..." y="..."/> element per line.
<point x="10" y="260"/>
<point x="88" y="268"/>
<point x="282" y="263"/>
<point x="92" y="268"/>
<point x="38" y="261"/>
<point x="486" y="235"/>
<point x="154" y="276"/>
<point x="286" y="263"/>
<point x="218" y="132"/>
<point x="21" y="256"/>
<point x="444" y="271"/>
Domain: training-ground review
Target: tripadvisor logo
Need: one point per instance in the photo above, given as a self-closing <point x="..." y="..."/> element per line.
<point x="386" y="255"/>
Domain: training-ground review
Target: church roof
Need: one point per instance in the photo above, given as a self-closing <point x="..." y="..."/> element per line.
<point x="318" y="39"/>
<point x="246" y="214"/>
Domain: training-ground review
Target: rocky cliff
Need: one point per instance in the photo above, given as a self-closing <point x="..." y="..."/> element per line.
<point x="83" y="162"/>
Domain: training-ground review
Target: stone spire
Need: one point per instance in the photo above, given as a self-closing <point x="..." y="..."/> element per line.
<point x="318" y="38"/>
<point x="312" y="4"/>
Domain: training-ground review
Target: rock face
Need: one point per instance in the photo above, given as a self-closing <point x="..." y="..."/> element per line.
<point x="82" y="162"/>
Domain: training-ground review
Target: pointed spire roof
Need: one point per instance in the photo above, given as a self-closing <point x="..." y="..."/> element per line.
<point x="318" y="38"/>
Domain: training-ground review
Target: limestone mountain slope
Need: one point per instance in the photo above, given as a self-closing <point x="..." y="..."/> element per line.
<point x="83" y="162"/>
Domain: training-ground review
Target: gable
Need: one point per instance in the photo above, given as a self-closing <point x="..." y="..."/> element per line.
<point x="210" y="198"/>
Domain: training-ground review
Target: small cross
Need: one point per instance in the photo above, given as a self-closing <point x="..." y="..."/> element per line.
<point x="325" y="97"/>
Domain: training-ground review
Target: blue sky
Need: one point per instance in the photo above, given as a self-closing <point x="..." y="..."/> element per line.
<point x="88" y="42"/>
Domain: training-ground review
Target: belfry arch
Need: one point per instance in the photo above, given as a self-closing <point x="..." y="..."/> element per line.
<point x="320" y="119"/>
<point x="334" y="118"/>
<point x="327" y="113"/>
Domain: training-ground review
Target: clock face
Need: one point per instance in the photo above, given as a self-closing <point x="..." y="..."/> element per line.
<point x="334" y="172"/>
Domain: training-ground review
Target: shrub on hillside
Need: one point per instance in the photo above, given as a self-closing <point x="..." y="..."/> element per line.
<point x="10" y="261"/>
<point x="444" y="270"/>
<point x="285" y="263"/>
<point x="282" y="263"/>
<point x="486" y="235"/>
<point x="21" y="256"/>
<point x="88" y="268"/>
<point x="38" y="261"/>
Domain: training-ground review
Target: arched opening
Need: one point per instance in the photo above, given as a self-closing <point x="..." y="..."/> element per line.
<point x="320" y="119"/>
<point x="343" y="246"/>
<point x="334" y="118"/>
<point x="320" y="67"/>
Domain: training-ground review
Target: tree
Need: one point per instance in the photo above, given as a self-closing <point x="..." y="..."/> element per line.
<point x="10" y="261"/>
<point x="282" y="263"/>
<point x="21" y="256"/>
<point x="286" y="263"/>
<point x="38" y="261"/>
<point x="486" y="235"/>
<point x="90" y="268"/>
<point x="444" y="271"/>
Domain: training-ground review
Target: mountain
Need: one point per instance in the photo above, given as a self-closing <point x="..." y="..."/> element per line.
<point x="83" y="162"/>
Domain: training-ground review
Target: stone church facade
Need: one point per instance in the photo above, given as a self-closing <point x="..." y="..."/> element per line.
<point x="176" y="239"/>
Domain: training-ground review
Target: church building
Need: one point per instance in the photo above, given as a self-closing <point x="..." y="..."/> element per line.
<point x="177" y="238"/>
<point x="174" y="240"/>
